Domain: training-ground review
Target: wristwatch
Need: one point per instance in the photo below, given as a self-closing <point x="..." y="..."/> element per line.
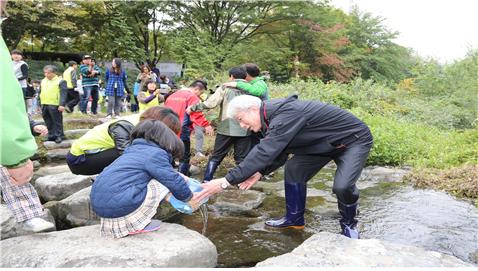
<point x="224" y="184"/>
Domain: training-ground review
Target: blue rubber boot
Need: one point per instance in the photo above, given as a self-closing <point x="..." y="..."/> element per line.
<point x="348" y="223"/>
<point x="184" y="168"/>
<point x="295" y="196"/>
<point x="210" y="169"/>
<point x="183" y="207"/>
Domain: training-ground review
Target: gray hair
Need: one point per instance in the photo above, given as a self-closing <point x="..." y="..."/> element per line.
<point x="242" y="104"/>
<point x="51" y="68"/>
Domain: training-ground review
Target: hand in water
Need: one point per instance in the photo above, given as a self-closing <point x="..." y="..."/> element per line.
<point x="210" y="188"/>
<point x="245" y="185"/>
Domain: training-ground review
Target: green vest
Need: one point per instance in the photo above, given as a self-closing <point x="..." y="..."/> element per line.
<point x="154" y="102"/>
<point x="67" y="77"/>
<point x="50" y="91"/>
<point x="98" y="138"/>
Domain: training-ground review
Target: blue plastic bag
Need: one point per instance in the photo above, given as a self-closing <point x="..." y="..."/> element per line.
<point x="183" y="207"/>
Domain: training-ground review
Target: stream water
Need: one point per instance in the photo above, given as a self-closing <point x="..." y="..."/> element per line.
<point x="388" y="211"/>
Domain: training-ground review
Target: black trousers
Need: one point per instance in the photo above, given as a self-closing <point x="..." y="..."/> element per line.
<point x="92" y="163"/>
<point x="350" y="162"/>
<point x="72" y="98"/>
<point x="53" y="120"/>
<point x="223" y="143"/>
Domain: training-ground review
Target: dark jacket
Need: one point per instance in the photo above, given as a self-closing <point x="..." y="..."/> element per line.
<point x="121" y="187"/>
<point x="298" y="127"/>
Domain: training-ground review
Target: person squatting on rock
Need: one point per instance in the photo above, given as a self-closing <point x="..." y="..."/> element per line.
<point x="126" y="195"/>
<point x="229" y="132"/>
<point x="179" y="101"/>
<point x="17" y="145"/>
<point x="314" y="133"/>
<point x="53" y="93"/>
<point x="100" y="146"/>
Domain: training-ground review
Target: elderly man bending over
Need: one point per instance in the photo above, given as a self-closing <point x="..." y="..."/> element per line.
<point x="314" y="133"/>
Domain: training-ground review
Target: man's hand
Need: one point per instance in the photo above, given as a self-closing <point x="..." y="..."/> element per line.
<point x="209" y="130"/>
<point x="61" y="108"/>
<point x="188" y="110"/>
<point x="245" y="185"/>
<point x="41" y="129"/>
<point x="230" y="84"/>
<point x="210" y="188"/>
<point x="21" y="175"/>
<point x="194" y="203"/>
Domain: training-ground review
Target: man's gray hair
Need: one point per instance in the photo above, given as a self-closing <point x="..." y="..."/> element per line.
<point x="51" y="68"/>
<point x="242" y="104"/>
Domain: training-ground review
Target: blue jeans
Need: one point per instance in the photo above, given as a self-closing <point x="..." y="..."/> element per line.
<point x="87" y="91"/>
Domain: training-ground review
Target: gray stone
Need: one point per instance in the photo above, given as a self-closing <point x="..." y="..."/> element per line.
<point x="75" y="133"/>
<point x="171" y="246"/>
<point x="332" y="250"/>
<point x="36" y="164"/>
<point x="10" y="228"/>
<point x="60" y="186"/>
<point x="237" y="201"/>
<point x="194" y="170"/>
<point x="371" y="176"/>
<point x="52" y="145"/>
<point x="85" y="121"/>
<point x="47" y="170"/>
<point x="56" y="154"/>
<point x="76" y="211"/>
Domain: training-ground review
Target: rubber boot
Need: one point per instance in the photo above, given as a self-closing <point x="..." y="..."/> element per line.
<point x="348" y="223"/>
<point x="295" y="196"/>
<point x="184" y="168"/>
<point x="210" y="169"/>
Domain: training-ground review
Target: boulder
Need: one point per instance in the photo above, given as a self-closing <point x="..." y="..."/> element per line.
<point x="56" y="154"/>
<point x="238" y="201"/>
<point x="60" y="186"/>
<point x="75" y="133"/>
<point x="52" y="145"/>
<point x="10" y="228"/>
<point x="332" y="250"/>
<point x="171" y="246"/>
<point x="75" y="211"/>
<point x="48" y="170"/>
<point x="371" y="176"/>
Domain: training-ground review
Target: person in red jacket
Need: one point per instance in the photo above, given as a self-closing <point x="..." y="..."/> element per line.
<point x="179" y="101"/>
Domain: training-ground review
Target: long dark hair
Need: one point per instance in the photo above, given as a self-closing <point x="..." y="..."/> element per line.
<point x="164" y="114"/>
<point x="157" y="132"/>
<point x="116" y="69"/>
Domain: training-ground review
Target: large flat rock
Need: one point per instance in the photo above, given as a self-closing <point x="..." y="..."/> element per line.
<point x="237" y="201"/>
<point x="60" y="186"/>
<point x="57" y="154"/>
<point x="332" y="250"/>
<point x="51" y="170"/>
<point x="171" y="246"/>
<point x="75" y="133"/>
<point x="52" y="145"/>
<point x="10" y="228"/>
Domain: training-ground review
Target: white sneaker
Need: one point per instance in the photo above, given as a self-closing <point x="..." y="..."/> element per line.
<point x="37" y="224"/>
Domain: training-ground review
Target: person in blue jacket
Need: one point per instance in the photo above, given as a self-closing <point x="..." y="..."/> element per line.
<point x="127" y="193"/>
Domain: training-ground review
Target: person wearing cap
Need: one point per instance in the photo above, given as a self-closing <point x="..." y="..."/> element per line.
<point x="179" y="101"/>
<point x="150" y="96"/>
<point x="20" y="68"/>
<point x="314" y="133"/>
<point x="90" y="74"/>
<point x="73" y="97"/>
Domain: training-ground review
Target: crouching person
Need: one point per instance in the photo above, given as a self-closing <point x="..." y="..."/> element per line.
<point x="127" y="193"/>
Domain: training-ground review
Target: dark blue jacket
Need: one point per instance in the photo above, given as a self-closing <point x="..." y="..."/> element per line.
<point x="121" y="187"/>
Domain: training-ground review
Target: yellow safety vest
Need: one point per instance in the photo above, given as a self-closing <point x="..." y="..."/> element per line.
<point x="50" y="91"/>
<point x="98" y="138"/>
<point x="154" y="102"/>
<point x="67" y="77"/>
